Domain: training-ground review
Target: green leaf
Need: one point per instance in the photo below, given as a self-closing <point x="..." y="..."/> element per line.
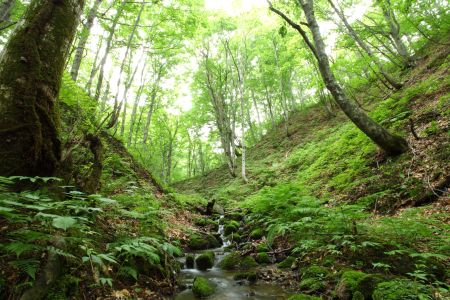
<point x="64" y="222"/>
<point x="29" y="266"/>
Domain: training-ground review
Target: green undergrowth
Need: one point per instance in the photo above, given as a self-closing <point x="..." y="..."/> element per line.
<point x="104" y="242"/>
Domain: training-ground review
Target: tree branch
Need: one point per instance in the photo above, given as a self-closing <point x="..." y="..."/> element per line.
<point x="296" y="27"/>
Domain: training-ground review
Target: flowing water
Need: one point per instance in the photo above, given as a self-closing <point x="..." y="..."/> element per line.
<point x="227" y="288"/>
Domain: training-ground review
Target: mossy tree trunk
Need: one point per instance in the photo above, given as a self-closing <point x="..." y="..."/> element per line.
<point x="31" y="67"/>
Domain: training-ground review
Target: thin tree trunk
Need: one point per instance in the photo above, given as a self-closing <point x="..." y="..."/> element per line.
<point x="107" y="50"/>
<point x="136" y="105"/>
<point x="394" y="27"/>
<point x="391" y="144"/>
<point x="31" y="68"/>
<point x="365" y="47"/>
<point x="117" y="106"/>
<point x="83" y="40"/>
<point x="152" y="103"/>
<point x="95" y="67"/>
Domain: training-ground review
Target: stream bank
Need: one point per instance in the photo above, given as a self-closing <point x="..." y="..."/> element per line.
<point x="229" y="281"/>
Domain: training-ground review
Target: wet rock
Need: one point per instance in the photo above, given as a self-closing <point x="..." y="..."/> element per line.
<point x="198" y="241"/>
<point x="203" y="288"/>
<point x="190" y="258"/>
<point x="263" y="258"/>
<point x="287" y="263"/>
<point x="205" y="261"/>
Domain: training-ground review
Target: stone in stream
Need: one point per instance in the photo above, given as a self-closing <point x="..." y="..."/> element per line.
<point x="201" y="241"/>
<point x="205" y="261"/>
<point x="190" y="258"/>
<point x="263" y="258"/>
<point x="203" y="288"/>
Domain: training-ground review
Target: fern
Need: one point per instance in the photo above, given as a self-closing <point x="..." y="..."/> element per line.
<point x="29" y="266"/>
<point x="19" y="248"/>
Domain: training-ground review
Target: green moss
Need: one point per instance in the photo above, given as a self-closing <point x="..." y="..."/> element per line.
<point x="358" y="296"/>
<point x="348" y="283"/>
<point x="250" y="276"/>
<point x="234" y="237"/>
<point x="231" y="261"/>
<point x="315" y="271"/>
<point x="202" y="287"/>
<point x="367" y="284"/>
<point x="262" y="248"/>
<point x="401" y="289"/>
<point x="257" y="233"/>
<point x="236" y="216"/>
<point x="202" y="242"/>
<point x="231" y="227"/>
<point x="205" y="260"/>
<point x="190" y="258"/>
<point x="263" y="258"/>
<point x="287" y="263"/>
<point x="312" y="285"/>
<point x="248" y="262"/>
<point x="303" y="297"/>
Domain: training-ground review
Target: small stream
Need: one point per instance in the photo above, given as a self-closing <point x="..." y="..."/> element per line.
<point x="227" y="287"/>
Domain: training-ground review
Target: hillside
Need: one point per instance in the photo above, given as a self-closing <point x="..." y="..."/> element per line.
<point x="332" y="160"/>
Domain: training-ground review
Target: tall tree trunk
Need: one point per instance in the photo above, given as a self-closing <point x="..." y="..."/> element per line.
<point x="136" y="105"/>
<point x="31" y="68"/>
<point x="95" y="67"/>
<point x="391" y="144"/>
<point x="152" y="103"/>
<point x="117" y="107"/>
<point x="83" y="40"/>
<point x="107" y="50"/>
<point x="365" y="47"/>
<point x="394" y="28"/>
<point x="270" y="107"/>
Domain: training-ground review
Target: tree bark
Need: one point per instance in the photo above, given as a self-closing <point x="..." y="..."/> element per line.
<point x="391" y="144"/>
<point x="365" y="47"/>
<point x="117" y="107"/>
<point x="31" y="68"/>
<point x="136" y="105"/>
<point x="83" y="40"/>
<point x="394" y="28"/>
<point x="107" y="50"/>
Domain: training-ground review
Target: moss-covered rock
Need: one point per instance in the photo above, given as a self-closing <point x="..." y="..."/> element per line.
<point x="206" y="222"/>
<point x="236" y="216"/>
<point x="263" y="258"/>
<point x="248" y="262"/>
<point x="231" y="261"/>
<point x="312" y="285"/>
<point x="358" y="296"/>
<point x="203" y="288"/>
<point x="205" y="260"/>
<point x="366" y="285"/>
<point x="249" y="276"/>
<point x="199" y="241"/>
<point x="303" y="297"/>
<point x="234" y="237"/>
<point x="402" y="289"/>
<point x="234" y="261"/>
<point x="348" y="283"/>
<point x="262" y="248"/>
<point x="287" y="263"/>
<point x="190" y="258"/>
<point x="256" y="234"/>
<point x="231" y="227"/>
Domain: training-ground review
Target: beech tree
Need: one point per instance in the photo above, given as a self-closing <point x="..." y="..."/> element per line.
<point x="31" y="67"/>
<point x="391" y="144"/>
